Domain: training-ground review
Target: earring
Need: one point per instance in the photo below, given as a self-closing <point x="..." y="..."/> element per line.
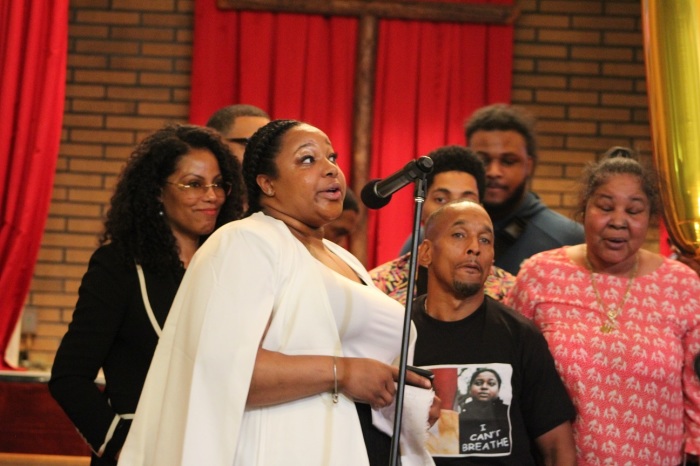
<point x="160" y="213"/>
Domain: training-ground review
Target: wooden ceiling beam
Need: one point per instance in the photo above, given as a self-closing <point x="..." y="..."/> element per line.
<point x="394" y="9"/>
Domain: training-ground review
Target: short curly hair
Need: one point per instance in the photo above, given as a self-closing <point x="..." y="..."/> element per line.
<point x="461" y="159"/>
<point x="502" y="117"/>
<point x="225" y="117"/>
<point x="260" y="154"/>
<point x="134" y="222"/>
<point x="618" y="161"/>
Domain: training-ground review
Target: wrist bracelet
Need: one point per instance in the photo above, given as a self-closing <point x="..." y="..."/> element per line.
<point x="335" y="381"/>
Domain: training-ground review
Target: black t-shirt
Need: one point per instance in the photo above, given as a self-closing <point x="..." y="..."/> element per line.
<point x="496" y="424"/>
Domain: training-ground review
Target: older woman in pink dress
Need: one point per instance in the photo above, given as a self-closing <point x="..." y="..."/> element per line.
<point x="622" y="323"/>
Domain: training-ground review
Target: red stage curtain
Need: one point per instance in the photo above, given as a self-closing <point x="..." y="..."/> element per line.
<point x="293" y="66"/>
<point x="33" y="51"/>
<point x="430" y="77"/>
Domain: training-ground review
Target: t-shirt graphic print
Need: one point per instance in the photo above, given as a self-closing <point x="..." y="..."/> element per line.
<point x="474" y="416"/>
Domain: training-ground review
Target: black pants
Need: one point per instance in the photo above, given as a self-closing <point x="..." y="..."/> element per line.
<point x="377" y="442"/>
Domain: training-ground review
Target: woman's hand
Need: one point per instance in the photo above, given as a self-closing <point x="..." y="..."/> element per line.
<point x="371" y="381"/>
<point x="366" y="380"/>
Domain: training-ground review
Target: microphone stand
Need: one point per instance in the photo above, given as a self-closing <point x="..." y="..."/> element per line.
<point x="419" y="199"/>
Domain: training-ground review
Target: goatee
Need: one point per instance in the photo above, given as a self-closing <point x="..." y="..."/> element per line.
<point x="465" y="290"/>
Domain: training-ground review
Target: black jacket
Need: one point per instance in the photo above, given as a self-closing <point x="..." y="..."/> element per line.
<point x="110" y="330"/>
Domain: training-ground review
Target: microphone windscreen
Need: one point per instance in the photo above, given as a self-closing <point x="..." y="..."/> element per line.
<point x="370" y="198"/>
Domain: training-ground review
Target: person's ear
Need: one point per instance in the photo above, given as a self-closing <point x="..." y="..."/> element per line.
<point x="425" y="253"/>
<point x="266" y="185"/>
<point x="529" y="166"/>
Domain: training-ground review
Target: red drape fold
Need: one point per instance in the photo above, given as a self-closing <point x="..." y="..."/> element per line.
<point x="293" y="66"/>
<point x="429" y="78"/>
<point x="33" y="51"/>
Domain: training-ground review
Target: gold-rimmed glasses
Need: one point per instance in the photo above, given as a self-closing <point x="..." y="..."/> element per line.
<point x="197" y="189"/>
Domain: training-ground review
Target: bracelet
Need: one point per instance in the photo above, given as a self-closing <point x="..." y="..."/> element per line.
<point x="335" y="381"/>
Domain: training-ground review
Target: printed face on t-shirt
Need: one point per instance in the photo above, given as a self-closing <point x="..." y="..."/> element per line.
<point x="484" y="387"/>
<point x="475" y="411"/>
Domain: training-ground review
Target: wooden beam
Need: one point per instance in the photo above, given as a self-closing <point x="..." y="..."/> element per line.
<point x="368" y="29"/>
<point x="395" y="9"/>
<point x="369" y="13"/>
<point x="32" y="459"/>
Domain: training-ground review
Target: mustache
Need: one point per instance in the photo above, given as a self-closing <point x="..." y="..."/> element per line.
<point x="472" y="264"/>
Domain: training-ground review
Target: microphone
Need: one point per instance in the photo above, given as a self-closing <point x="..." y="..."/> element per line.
<point x="377" y="193"/>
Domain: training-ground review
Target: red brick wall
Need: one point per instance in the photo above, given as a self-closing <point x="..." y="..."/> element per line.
<point x="578" y="66"/>
<point x="128" y="73"/>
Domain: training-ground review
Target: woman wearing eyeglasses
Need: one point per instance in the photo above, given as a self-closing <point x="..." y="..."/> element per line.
<point x="179" y="185"/>
<point x="278" y="345"/>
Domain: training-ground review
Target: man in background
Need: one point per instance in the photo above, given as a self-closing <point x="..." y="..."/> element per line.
<point x="457" y="174"/>
<point x="503" y="137"/>
<point x="237" y="123"/>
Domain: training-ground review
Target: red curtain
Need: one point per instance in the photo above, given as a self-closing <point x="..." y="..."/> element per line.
<point x="292" y="66"/>
<point x="429" y="78"/>
<point x="33" y="51"/>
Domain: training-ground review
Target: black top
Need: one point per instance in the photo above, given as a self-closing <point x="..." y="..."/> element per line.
<point x="532" y="228"/>
<point x="110" y="330"/>
<point x="497" y="338"/>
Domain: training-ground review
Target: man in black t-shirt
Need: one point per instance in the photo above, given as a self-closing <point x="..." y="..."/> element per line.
<point x="502" y="399"/>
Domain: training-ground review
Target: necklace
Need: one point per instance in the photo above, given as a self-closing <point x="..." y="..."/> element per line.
<point x="613" y="311"/>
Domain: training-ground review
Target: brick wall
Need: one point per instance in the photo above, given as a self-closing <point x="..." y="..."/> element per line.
<point x="578" y="66"/>
<point x="128" y="74"/>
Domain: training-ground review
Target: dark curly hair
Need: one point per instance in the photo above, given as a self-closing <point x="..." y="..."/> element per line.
<point x="461" y="159"/>
<point x="134" y="222"/>
<point x="618" y="161"/>
<point x="502" y="117"/>
<point x="259" y="159"/>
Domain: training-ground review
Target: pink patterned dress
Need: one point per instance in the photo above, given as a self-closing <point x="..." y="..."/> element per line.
<point x="636" y="394"/>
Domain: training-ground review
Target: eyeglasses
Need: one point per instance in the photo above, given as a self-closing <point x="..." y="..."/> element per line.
<point x="196" y="189"/>
<point x="241" y="141"/>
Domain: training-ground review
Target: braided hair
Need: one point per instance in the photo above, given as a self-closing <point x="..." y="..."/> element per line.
<point x="260" y="154"/>
<point x="134" y="221"/>
<point x="618" y="161"/>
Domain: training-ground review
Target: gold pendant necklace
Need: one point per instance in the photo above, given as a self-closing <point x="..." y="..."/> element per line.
<point x="611" y="313"/>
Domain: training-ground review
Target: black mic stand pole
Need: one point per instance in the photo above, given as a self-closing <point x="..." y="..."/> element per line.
<point x="419" y="198"/>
